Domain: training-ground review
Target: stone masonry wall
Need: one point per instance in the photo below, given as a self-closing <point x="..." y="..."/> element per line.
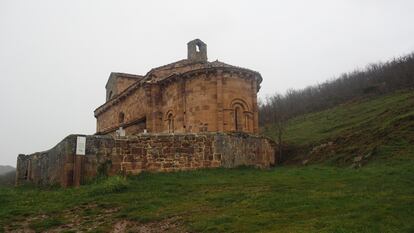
<point x="106" y="155"/>
<point x="202" y="102"/>
<point x="49" y="166"/>
<point x="133" y="107"/>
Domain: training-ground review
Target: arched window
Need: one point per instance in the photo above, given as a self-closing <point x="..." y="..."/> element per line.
<point x="110" y="95"/>
<point x="238" y="118"/>
<point x="240" y="115"/>
<point x="121" y="117"/>
<point x="170" y="119"/>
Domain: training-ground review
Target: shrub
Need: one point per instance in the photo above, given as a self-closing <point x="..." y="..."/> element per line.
<point x="113" y="184"/>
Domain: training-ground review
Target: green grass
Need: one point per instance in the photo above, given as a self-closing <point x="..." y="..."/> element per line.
<point x="378" y="197"/>
<point x="45" y="224"/>
<point x="381" y="126"/>
<point x="379" y="113"/>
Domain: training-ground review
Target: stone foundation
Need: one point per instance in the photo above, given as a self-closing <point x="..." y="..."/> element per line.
<point x="106" y="155"/>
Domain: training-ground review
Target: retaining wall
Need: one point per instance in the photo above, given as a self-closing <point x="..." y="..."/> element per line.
<point x="146" y="152"/>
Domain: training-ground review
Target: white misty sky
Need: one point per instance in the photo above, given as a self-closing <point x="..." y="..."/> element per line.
<point x="56" y="56"/>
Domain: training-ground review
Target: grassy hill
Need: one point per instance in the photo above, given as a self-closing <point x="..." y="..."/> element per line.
<point x="6" y="169"/>
<point x="362" y="130"/>
<point x="377" y="197"/>
<point x="7" y="175"/>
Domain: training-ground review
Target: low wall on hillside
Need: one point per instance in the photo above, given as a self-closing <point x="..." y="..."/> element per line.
<point x="105" y="155"/>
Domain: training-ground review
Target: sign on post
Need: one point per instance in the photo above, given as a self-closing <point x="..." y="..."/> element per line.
<point x="120" y="132"/>
<point x="80" y="145"/>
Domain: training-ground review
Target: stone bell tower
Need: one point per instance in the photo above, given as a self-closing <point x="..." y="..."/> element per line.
<point x="197" y="50"/>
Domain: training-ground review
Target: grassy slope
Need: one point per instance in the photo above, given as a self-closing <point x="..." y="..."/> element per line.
<point x="382" y="127"/>
<point x="379" y="197"/>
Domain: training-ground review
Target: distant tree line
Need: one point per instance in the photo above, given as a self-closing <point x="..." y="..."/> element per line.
<point x="375" y="79"/>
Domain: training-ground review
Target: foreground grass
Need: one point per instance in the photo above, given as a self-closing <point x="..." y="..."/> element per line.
<point x="376" y="198"/>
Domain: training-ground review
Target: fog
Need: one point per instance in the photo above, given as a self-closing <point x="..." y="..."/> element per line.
<point x="56" y="56"/>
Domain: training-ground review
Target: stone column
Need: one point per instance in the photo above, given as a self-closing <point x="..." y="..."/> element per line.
<point x="255" y="109"/>
<point x="182" y="105"/>
<point x="152" y="94"/>
<point x="219" y="92"/>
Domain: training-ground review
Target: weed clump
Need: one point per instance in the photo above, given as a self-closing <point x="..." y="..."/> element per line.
<point x="113" y="184"/>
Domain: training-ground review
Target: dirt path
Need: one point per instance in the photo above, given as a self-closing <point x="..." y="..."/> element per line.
<point x="85" y="219"/>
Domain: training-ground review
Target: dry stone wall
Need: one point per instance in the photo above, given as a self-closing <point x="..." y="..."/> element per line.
<point x="106" y="155"/>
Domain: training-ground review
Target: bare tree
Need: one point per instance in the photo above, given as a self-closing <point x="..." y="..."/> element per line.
<point x="275" y="110"/>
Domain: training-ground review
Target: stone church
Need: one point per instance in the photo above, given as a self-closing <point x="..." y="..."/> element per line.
<point x="188" y="96"/>
<point x="186" y="115"/>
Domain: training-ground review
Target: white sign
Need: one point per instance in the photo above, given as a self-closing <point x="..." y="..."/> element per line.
<point x="80" y="145"/>
<point x="120" y="132"/>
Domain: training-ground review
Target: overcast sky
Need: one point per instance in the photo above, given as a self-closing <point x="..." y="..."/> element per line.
<point x="56" y="56"/>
